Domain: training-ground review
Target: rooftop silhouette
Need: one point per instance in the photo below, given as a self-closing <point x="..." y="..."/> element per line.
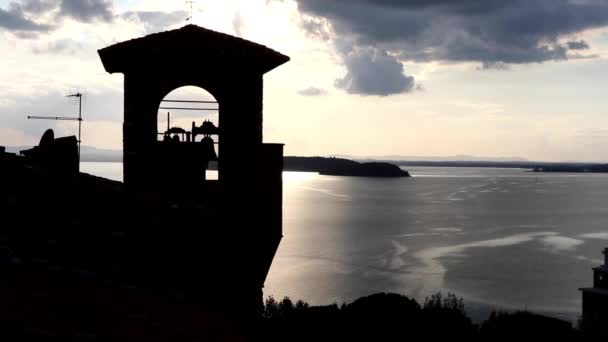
<point x="167" y="234"/>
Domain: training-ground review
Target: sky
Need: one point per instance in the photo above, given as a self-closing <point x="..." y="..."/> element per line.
<point x="494" y="78"/>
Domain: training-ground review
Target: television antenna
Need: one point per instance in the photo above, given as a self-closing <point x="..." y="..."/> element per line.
<point x="67" y="118"/>
<point x="191" y="3"/>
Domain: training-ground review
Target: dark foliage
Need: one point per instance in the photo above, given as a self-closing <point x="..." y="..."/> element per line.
<point x="445" y="317"/>
<point x="379" y="317"/>
<point x="526" y="325"/>
<point x="382" y="317"/>
<point x="393" y="317"/>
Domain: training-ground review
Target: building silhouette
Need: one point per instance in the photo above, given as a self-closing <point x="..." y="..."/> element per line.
<point x="168" y="253"/>
<point x="595" y="300"/>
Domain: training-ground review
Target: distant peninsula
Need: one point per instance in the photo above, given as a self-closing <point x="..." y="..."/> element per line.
<point x="576" y="168"/>
<point x="343" y="167"/>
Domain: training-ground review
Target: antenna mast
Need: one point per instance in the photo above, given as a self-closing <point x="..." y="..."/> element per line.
<point x="191" y="3"/>
<point x="67" y="118"/>
<point x="79" y="96"/>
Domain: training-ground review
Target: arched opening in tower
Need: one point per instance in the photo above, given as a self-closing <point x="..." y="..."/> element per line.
<point x="190" y="115"/>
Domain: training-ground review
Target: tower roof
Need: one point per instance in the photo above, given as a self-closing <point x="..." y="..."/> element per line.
<point x="190" y="45"/>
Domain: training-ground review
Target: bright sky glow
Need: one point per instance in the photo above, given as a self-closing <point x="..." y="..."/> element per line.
<point x="553" y="111"/>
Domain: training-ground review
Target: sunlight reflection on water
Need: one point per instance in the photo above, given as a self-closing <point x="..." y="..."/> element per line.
<point x="501" y="238"/>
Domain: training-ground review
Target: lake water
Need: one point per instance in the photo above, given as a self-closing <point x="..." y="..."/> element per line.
<point x="499" y="238"/>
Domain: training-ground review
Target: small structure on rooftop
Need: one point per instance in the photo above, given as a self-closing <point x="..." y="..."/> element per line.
<point x="56" y="154"/>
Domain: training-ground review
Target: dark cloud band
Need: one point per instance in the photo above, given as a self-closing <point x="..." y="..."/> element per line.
<point x="17" y="18"/>
<point x="490" y="32"/>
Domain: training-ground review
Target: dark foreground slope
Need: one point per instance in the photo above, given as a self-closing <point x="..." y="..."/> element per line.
<point x="343" y="167"/>
<point x="81" y="258"/>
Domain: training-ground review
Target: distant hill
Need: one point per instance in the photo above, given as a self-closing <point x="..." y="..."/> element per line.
<point x="537" y="166"/>
<point x="488" y="162"/>
<point x="380" y="166"/>
<point x="88" y="154"/>
<point x="590" y="168"/>
<point x="456" y="158"/>
<point x="92" y="154"/>
<point x="343" y="167"/>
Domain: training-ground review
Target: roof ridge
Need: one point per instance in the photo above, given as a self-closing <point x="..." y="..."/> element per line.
<point x="198" y="28"/>
<point x="192" y="38"/>
<point x="226" y="35"/>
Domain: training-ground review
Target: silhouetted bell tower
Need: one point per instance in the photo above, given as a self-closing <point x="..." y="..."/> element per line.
<point x="239" y="218"/>
<point x="229" y="68"/>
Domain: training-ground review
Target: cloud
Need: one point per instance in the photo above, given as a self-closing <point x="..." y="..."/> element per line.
<point x="491" y="32"/>
<point x="237" y="24"/>
<point x="19" y="18"/>
<point x="316" y="27"/>
<point x="15" y="20"/>
<point x="39" y="6"/>
<point x="312" y="91"/>
<point x="374" y="72"/>
<point x="81" y="10"/>
<point x="62" y="46"/>
<point x="87" y="10"/>
<point x="578" y="45"/>
<point x="155" y="21"/>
